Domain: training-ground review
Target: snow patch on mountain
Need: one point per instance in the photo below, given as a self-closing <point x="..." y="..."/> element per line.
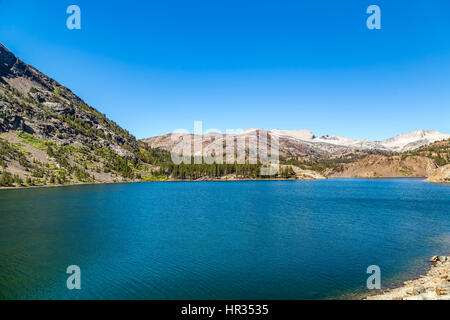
<point x="297" y="134"/>
<point x="413" y="140"/>
<point x="403" y="142"/>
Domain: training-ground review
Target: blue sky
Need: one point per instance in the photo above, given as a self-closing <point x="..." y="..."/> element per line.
<point x="156" y="66"/>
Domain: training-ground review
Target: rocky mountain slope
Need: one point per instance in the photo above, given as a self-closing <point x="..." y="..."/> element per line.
<point x="33" y="103"/>
<point x="48" y="135"/>
<point x="378" y="166"/>
<point x="400" y="143"/>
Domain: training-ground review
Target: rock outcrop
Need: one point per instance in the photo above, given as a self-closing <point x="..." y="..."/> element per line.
<point x="302" y="174"/>
<point x="440" y="175"/>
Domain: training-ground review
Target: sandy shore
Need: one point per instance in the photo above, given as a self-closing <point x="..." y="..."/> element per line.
<point x="435" y="285"/>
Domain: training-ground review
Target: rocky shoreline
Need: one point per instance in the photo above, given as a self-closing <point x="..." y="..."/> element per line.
<point x="223" y="179"/>
<point x="440" y="175"/>
<point x="435" y="285"/>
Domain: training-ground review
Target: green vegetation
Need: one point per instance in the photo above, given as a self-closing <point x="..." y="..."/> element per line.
<point x="8" y="151"/>
<point x="33" y="90"/>
<point x="287" y="172"/>
<point x="8" y="180"/>
<point x="439" y="152"/>
<point x="58" y="172"/>
<point x="196" y="171"/>
<point x="153" y="176"/>
<point x="321" y="164"/>
<point x="31" y="140"/>
<point x="69" y="164"/>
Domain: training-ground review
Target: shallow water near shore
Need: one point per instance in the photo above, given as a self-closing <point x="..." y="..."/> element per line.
<point x="219" y="240"/>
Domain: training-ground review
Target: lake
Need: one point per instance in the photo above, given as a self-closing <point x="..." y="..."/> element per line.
<point x="219" y="240"/>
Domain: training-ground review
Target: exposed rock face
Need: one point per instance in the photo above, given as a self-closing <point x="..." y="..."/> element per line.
<point x="377" y="166"/>
<point x="440" y="175"/>
<point x="302" y="174"/>
<point x="34" y="103"/>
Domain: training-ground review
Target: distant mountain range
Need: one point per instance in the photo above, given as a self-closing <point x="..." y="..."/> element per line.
<point x="402" y="142"/>
<point x="415" y="154"/>
<point x="305" y="143"/>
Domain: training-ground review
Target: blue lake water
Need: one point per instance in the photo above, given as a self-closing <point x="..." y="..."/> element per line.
<point x="219" y="240"/>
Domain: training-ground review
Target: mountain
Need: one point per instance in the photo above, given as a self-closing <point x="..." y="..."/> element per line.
<point x="414" y="154"/>
<point x="403" y="142"/>
<point x="48" y="135"/>
<point x="303" y="143"/>
<point x="288" y="147"/>
<point x="413" y="140"/>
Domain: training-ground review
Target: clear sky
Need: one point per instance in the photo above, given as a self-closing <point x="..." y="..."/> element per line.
<point x="156" y="66"/>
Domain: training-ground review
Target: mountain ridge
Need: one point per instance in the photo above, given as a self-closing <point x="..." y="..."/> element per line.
<point x="400" y="143"/>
